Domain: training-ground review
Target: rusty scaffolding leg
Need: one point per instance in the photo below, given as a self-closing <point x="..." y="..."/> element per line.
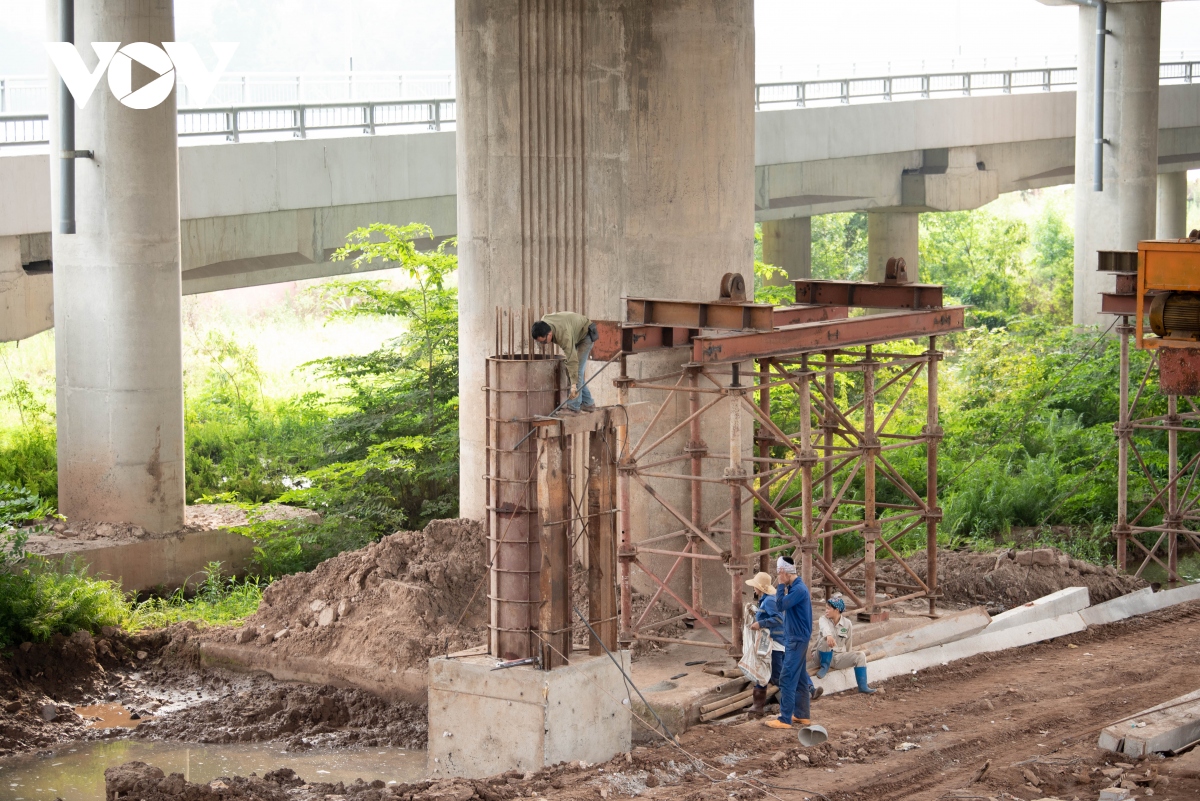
<point x="933" y="436"/>
<point x="870" y="449"/>
<point x="625" y="554"/>
<point x="764" y="440"/>
<point x="697" y="448"/>
<point x="828" y="427"/>
<point x="808" y="458"/>
<point x="735" y="475"/>
<point x="1174" y="520"/>
<point x="1124" y="430"/>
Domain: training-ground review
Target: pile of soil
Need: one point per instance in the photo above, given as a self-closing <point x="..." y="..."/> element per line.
<point x="1003" y="579"/>
<point x="390" y="605"/>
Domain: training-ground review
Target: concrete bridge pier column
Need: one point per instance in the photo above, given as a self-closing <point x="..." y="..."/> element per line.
<point x="788" y="244"/>
<point x="1120" y="215"/>
<point x="117" y="292"/>
<point x="1172" y="205"/>
<point x="891" y="233"/>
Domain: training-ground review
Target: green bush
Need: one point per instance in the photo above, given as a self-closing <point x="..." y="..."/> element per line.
<point x="219" y="600"/>
<point x="38" y="599"/>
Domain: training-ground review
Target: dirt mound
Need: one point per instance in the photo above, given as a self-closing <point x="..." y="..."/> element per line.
<point x="390" y="605"/>
<point x="1003" y="579"/>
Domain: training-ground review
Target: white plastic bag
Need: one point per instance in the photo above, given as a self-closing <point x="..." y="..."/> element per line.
<point x="755" y="664"/>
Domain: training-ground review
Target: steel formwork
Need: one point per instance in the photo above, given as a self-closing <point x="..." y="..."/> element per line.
<point x="804" y="482"/>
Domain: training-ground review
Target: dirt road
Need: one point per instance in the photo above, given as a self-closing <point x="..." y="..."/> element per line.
<point x="1037" y="709"/>
<point x="1017" y="725"/>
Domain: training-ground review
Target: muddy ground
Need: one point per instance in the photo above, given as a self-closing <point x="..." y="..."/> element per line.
<point x="1016" y="725"/>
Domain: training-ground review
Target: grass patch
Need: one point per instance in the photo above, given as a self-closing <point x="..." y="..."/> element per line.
<point x="219" y="601"/>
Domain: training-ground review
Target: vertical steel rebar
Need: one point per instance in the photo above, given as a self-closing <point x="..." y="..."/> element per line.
<point x="933" y="435"/>
<point x="870" y="449"/>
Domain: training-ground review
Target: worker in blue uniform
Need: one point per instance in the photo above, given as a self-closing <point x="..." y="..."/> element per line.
<point x="793" y="599"/>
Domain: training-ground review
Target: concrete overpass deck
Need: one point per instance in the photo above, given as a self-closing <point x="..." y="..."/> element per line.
<point x="265" y="212"/>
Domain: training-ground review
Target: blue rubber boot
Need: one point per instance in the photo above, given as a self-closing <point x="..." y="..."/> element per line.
<point x="860" y="674"/>
<point x="826" y="659"/>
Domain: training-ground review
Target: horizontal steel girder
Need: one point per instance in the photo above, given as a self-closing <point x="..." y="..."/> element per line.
<point x="1112" y="303"/>
<point x="615" y="337"/>
<point x="863" y="295"/>
<point x="796" y="339"/>
<point x="733" y="315"/>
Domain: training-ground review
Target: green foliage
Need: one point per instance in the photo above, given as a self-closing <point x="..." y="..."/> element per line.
<point x="38" y="600"/>
<point x="839" y="246"/>
<point x="219" y="600"/>
<point x="979" y="259"/>
<point x="19" y="506"/>
<point x="28" y="456"/>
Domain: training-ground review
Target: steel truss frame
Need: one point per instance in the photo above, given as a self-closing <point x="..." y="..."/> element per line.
<point x="1179" y="502"/>
<point x="800" y="481"/>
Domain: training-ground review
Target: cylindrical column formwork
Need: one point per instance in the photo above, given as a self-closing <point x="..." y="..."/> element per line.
<point x="518" y="387"/>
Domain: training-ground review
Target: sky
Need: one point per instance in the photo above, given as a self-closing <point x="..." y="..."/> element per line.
<point x="795" y="38"/>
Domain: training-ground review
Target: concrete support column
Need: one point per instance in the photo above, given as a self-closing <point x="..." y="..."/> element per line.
<point x="1172" y="206"/>
<point x="788" y="244"/>
<point x="1123" y="213"/>
<point x="891" y="233"/>
<point x="117" y="294"/>
<point x="605" y="149"/>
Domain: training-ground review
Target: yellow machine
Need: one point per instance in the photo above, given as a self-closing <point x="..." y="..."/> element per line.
<point x="1168" y="286"/>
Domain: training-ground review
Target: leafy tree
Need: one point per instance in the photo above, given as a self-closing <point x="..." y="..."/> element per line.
<point x="979" y="257"/>
<point x="839" y="246"/>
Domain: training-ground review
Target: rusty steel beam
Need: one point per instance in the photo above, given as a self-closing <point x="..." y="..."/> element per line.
<point x="1112" y="303"/>
<point x="733" y="315"/>
<point x="864" y="295"/>
<point x="795" y="315"/>
<point x="866" y="330"/>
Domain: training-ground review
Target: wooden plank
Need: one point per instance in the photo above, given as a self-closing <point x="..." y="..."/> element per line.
<point x="602" y="540"/>
<point x="555" y="583"/>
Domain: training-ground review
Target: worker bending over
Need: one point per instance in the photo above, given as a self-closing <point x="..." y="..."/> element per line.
<point x="575" y="334"/>
<point x="794" y="600"/>
<point x="835" y="646"/>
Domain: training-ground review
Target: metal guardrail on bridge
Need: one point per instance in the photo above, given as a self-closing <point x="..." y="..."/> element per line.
<point x="372" y="116"/>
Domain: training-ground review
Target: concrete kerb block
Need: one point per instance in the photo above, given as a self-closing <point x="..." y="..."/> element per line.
<point x="483" y="722"/>
<point x="1063" y="602"/>
<point x="948" y="628"/>
<point x="1141" y="602"/>
<point x="1015" y="637"/>
<point x="1161" y="728"/>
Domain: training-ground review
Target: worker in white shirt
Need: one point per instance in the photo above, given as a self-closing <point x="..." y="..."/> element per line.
<point x="835" y="644"/>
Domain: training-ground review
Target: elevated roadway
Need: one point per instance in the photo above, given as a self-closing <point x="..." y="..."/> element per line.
<point x="265" y="212"/>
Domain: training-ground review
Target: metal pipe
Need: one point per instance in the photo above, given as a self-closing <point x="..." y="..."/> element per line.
<point x="1101" y="7"/>
<point x="66" y="128"/>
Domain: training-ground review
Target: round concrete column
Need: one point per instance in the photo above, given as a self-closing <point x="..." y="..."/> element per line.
<point x="1123" y="213"/>
<point x="891" y="234"/>
<point x="1172" y="205"/>
<point x="605" y="149"/>
<point x="788" y="244"/>
<point x="117" y="294"/>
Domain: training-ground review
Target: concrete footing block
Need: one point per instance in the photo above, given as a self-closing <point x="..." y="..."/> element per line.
<point x="1141" y="602"/>
<point x="1159" y="729"/>
<point x="947" y="628"/>
<point x="483" y="722"/>
<point x="1063" y="602"/>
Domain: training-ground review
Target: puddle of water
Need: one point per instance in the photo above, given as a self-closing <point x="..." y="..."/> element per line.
<point x="76" y="771"/>
<point x="108" y="716"/>
<point x="1189" y="568"/>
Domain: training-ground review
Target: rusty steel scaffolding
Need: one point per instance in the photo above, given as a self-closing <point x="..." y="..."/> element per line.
<point x="801" y="482"/>
<point x="1178" y="497"/>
